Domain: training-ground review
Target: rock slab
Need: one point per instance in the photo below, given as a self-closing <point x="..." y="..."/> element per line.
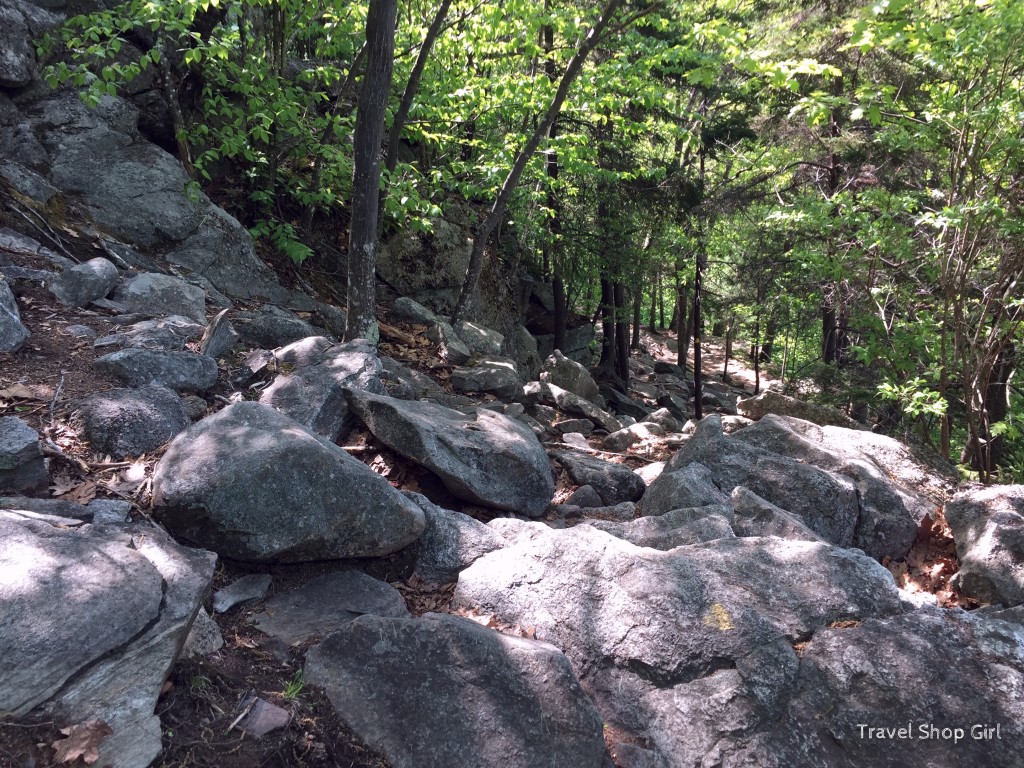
<point x="442" y="691"/>
<point x="127" y="596"/>
<point x="988" y="528"/>
<point x="487" y="458"/>
<point x="22" y="466"/>
<point x="254" y="485"/>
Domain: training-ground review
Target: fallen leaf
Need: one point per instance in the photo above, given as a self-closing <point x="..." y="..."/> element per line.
<point x="83" y="741"/>
<point x="21" y="392"/>
<point x="82" y="493"/>
<point x="62" y="484"/>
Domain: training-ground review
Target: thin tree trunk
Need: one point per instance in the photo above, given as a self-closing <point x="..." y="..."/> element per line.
<point x="638" y="301"/>
<point x="561" y="312"/>
<point x="369" y="132"/>
<point x="490" y="222"/>
<point x="655" y="290"/>
<point x="607" y="362"/>
<point x="621" y="333"/>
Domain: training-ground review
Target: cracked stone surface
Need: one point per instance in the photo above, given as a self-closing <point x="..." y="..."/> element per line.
<point x="93" y="618"/>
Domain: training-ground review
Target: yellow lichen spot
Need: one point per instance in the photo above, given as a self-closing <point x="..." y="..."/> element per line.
<point x="718" y="618"/>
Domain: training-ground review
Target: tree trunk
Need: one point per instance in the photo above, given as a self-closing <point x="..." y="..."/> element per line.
<point x="638" y="301"/>
<point x="561" y="312"/>
<point x="490" y="222"/>
<point x="607" y="362"/>
<point x="655" y="290"/>
<point x="828" y="333"/>
<point x="621" y="333"/>
<point x="369" y="131"/>
<point x="698" y="383"/>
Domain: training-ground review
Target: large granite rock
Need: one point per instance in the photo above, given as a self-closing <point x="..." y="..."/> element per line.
<point x="491" y="375"/>
<point x="21" y="23"/>
<point x="988" y="528"/>
<point x="568" y="402"/>
<point x="22" y="466"/>
<point x="13" y="333"/>
<point x="774" y="402"/>
<point x="940" y="688"/>
<point x="255" y="485"/>
<point x="325" y="605"/>
<point x="94" y="616"/>
<point x="614" y="483"/>
<point x="442" y="691"/>
<point x="487" y="458"/>
<point x="314" y="392"/>
<point x="83" y="283"/>
<point x="157" y="295"/>
<point x="180" y="371"/>
<point x="136" y="192"/>
<point x="271" y="327"/>
<point x="700" y="635"/>
<point x="839" y="492"/>
<point x="570" y="375"/>
<point x="451" y="542"/>
<point x="131" y="422"/>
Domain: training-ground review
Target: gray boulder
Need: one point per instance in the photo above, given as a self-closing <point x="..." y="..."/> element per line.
<point x="988" y="528"/>
<point x="219" y="338"/>
<point x="251" y="587"/>
<point x="692" y="486"/>
<point x="663" y="418"/>
<point x="254" y="485"/>
<point x="568" y="402"/>
<point x="481" y="341"/>
<point x="22" y="466"/>
<point x="486" y="458"/>
<point x="491" y="375"/>
<point x="622" y="439"/>
<point x="680" y="527"/>
<point x="527" y="357"/>
<point x="84" y="283"/>
<point x="451" y="542"/>
<point x="12" y="332"/>
<point x="614" y="483"/>
<point x="624" y="405"/>
<point x="924" y="672"/>
<point x="20" y="24"/>
<point x="676" y="405"/>
<point x="698" y="633"/>
<point x="127" y="596"/>
<point x="325" y="605"/>
<point x="314" y="393"/>
<point x="404" y="383"/>
<point x="890" y="513"/>
<point x="271" y="327"/>
<point x="756" y="517"/>
<point x="405" y="310"/>
<point x="570" y="375"/>
<point x="156" y="295"/>
<point x="843" y="497"/>
<point x="479" y="698"/>
<point x="136" y="192"/>
<point x="166" y="333"/>
<point x="453" y="348"/>
<point x="180" y="371"/>
<point x="584" y="496"/>
<point x="774" y="402"/>
<point x="130" y="422"/>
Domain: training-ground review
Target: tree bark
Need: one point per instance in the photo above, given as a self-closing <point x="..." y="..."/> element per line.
<point x="369" y="132"/>
<point x="621" y="334"/>
<point x="490" y="222"/>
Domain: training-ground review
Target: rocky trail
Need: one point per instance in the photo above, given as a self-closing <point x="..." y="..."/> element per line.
<point x="228" y="539"/>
